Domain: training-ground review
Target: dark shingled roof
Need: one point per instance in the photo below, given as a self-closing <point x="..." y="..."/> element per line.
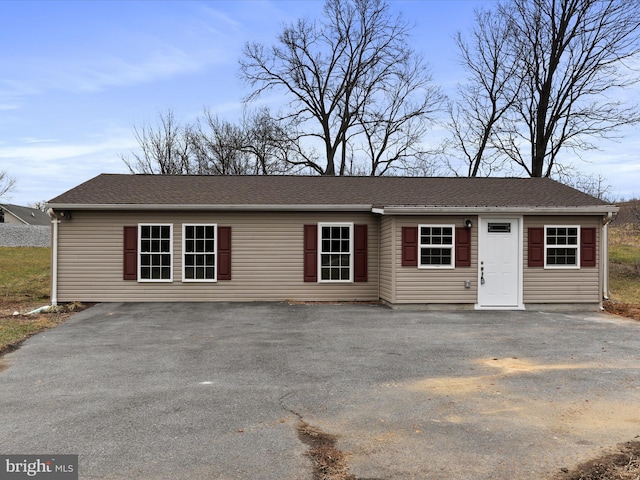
<point x="127" y="189"/>
<point x="30" y="216"/>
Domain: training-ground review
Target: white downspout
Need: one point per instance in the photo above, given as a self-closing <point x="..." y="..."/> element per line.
<point x="605" y="255"/>
<point x="54" y="257"/>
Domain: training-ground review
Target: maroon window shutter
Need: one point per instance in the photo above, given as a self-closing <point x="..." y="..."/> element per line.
<point x="130" y="258"/>
<point x="588" y="247"/>
<point x="536" y="247"/>
<point x="224" y="253"/>
<point x="463" y="247"/>
<point x="409" y="246"/>
<point x="310" y="253"/>
<point x="360" y="244"/>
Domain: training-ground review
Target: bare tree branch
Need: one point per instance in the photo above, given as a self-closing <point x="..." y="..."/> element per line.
<point x="7" y="184"/>
<point x="347" y="76"/>
<point x="545" y="76"/>
<point x="163" y="150"/>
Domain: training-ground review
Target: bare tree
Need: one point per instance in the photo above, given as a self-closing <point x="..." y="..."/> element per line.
<point x="491" y="91"/>
<point x="343" y="74"/>
<point x="257" y="145"/>
<point x="163" y="150"/>
<point x="572" y="60"/>
<point x="269" y="143"/>
<point x="216" y="147"/>
<point x="40" y="205"/>
<point x="393" y="129"/>
<point x="7" y="184"/>
<point x="595" y="185"/>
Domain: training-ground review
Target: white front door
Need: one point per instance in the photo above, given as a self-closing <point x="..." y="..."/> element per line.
<point x="499" y="282"/>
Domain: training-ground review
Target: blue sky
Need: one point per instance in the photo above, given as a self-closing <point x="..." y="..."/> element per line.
<point x="75" y="77"/>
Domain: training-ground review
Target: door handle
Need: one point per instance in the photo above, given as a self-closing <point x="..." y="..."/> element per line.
<point x="482" y="273"/>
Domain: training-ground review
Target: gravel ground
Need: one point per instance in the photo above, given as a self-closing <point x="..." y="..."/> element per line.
<point x="25" y="235"/>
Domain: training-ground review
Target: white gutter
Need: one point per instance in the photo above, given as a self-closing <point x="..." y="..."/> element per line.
<point x="181" y="207"/>
<point x="390" y="210"/>
<point x="444" y="210"/>
<point x="54" y="257"/>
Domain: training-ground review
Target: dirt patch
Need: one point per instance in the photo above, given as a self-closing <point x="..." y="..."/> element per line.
<point x="621" y="464"/>
<point x="477" y="383"/>
<point x="3" y="365"/>
<point x="329" y="463"/>
<point x="623" y="309"/>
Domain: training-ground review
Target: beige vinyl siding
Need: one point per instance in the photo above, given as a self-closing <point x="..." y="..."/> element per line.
<point x="388" y="257"/>
<point x="558" y="285"/>
<point x="267" y="259"/>
<point x="421" y="285"/>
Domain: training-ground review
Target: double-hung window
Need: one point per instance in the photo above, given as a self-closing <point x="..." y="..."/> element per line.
<point x="336" y="252"/>
<point x="561" y="244"/>
<point x="436" y="246"/>
<point x="155" y="253"/>
<point x="199" y="252"/>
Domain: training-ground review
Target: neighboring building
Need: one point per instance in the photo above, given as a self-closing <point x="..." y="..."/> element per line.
<point x="17" y="215"/>
<point x="24" y="227"/>
<point x="494" y="243"/>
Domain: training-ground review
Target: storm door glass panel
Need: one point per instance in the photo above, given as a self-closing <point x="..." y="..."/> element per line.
<point x="199" y="252"/>
<point x="335" y="252"/>
<point x="155" y="252"/>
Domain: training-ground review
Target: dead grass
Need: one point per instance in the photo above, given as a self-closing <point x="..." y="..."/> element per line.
<point x="25" y="275"/>
<point x="624" y="263"/>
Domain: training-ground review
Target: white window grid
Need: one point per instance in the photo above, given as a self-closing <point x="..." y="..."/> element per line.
<point x="437" y="241"/>
<point x="155" y="252"/>
<point x="335" y="252"/>
<point x="199" y="252"/>
<point x="562" y="244"/>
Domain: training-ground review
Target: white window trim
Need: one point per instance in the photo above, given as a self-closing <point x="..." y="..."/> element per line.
<point x="351" y="242"/>
<point x="577" y="247"/>
<point x="453" y="246"/>
<point x="151" y="280"/>
<point x="215" y="252"/>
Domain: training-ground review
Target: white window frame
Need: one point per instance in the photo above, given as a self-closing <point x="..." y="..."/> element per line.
<point x="547" y="247"/>
<point x="321" y="252"/>
<point x="425" y="245"/>
<point x="170" y="253"/>
<point x="185" y="253"/>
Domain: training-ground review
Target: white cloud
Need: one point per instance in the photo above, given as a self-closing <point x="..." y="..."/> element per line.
<point x="45" y="168"/>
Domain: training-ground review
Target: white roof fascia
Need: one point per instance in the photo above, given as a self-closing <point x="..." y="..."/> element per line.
<point x="183" y="207"/>
<point x="439" y="210"/>
<point x="390" y="210"/>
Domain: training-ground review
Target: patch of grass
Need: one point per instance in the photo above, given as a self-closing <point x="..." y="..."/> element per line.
<point x="25" y="279"/>
<point x="15" y="329"/>
<point x="25" y="274"/>
<point x="624" y="263"/>
<point x="625" y="254"/>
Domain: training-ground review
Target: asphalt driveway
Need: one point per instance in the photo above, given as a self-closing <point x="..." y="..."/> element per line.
<point x="215" y="391"/>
